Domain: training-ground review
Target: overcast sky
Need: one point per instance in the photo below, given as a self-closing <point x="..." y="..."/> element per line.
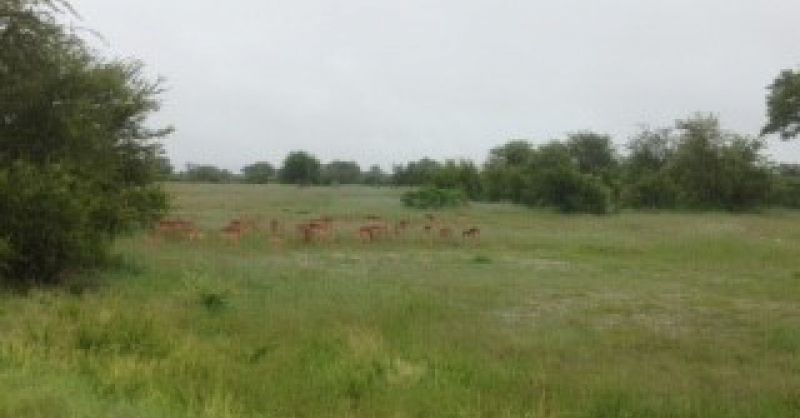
<point x="390" y="81"/>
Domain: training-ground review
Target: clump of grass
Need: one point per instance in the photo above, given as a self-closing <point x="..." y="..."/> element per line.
<point x="213" y="301"/>
<point x="481" y="259"/>
<point x="211" y="294"/>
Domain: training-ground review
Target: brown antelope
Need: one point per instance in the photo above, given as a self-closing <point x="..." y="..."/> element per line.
<point x="275" y="228"/>
<point x="324" y="226"/>
<point x="471" y="233"/>
<point x="445" y="232"/>
<point x="177" y="228"/>
<point x="400" y="227"/>
<point x="311" y="231"/>
<point x="233" y="232"/>
<point x="365" y="233"/>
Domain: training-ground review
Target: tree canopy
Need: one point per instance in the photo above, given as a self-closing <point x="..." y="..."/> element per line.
<point x="783" y="105"/>
<point x="301" y="168"/>
<point x="70" y="120"/>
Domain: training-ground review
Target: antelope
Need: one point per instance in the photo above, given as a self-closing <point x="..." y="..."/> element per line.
<point x="473" y="233"/>
<point x="400" y="227"/>
<point x="178" y="228"/>
<point x="365" y="233"/>
<point x="275" y="228"/>
<point x="233" y="232"/>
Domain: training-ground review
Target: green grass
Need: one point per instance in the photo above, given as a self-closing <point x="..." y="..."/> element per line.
<point x="633" y="315"/>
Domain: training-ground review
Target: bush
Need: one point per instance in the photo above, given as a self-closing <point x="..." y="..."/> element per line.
<point x="573" y="192"/>
<point x="434" y="198"/>
<point x="651" y="191"/>
<point x="47" y="224"/>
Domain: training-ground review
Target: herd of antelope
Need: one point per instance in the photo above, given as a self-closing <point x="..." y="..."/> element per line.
<point x="370" y="229"/>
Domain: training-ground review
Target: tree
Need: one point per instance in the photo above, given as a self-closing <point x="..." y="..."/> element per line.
<point x="416" y="173"/>
<point x="300" y="168"/>
<point x="502" y="177"/>
<point x="462" y="175"/>
<point x="341" y="172"/>
<point x="77" y="162"/>
<point x="593" y="152"/>
<point x="205" y="173"/>
<point x="783" y="105"/>
<point x="375" y="176"/>
<point x="258" y="173"/>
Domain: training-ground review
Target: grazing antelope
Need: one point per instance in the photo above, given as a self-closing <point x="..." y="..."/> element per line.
<point x="365" y="234"/>
<point x="275" y="228"/>
<point x="400" y="227"/>
<point x="233" y="232"/>
<point x="445" y="232"/>
<point x="311" y="231"/>
<point x="324" y="226"/>
<point x="472" y="233"/>
<point x="177" y="228"/>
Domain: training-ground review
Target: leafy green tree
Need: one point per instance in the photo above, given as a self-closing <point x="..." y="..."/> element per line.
<point x="301" y="168"/>
<point x="593" y="152"/>
<point x="206" y="173"/>
<point x="416" y="173"/>
<point x="375" y="176"/>
<point x="783" y="105"/>
<point x="77" y="161"/>
<point x="462" y="175"/>
<point x="503" y="173"/>
<point x="258" y="173"/>
<point x="341" y="172"/>
<point x="646" y="182"/>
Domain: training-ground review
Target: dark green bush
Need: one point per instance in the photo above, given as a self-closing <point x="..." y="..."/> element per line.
<point x="434" y="198"/>
<point x="47" y="224"/>
<point x="651" y="191"/>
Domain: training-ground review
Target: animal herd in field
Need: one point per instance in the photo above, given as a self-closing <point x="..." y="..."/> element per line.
<point x="369" y="229"/>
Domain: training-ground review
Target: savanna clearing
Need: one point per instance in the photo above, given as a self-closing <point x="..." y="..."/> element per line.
<point x="629" y="315"/>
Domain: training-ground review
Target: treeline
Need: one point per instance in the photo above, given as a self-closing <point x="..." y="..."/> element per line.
<point x="299" y="167"/>
<point x="694" y="164"/>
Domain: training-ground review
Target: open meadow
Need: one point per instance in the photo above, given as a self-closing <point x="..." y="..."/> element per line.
<point x="545" y="315"/>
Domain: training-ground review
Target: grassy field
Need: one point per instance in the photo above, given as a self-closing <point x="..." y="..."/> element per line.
<point x="632" y="315"/>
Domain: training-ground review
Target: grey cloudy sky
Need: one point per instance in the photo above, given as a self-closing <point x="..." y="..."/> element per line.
<point x="390" y="81"/>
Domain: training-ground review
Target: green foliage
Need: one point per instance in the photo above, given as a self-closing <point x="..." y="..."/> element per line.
<point x="651" y="190"/>
<point x="48" y="222"/>
<point x="462" y="175"/>
<point x="713" y="169"/>
<point x="783" y="105"/>
<point x="341" y="172"/>
<point x="301" y="168"/>
<point x="594" y="153"/>
<point x="78" y="162"/>
<point x="415" y="173"/>
<point x="258" y="173"/>
<point x="206" y="174"/>
<point x="434" y="198"/>
<point x="375" y="176"/>
<point x="786" y="186"/>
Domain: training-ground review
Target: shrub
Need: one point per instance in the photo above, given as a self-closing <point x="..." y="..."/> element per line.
<point x="434" y="198"/>
<point x="651" y="191"/>
<point x="47" y="223"/>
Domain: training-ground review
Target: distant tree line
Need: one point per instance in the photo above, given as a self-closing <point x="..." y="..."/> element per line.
<point x="694" y="164"/>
